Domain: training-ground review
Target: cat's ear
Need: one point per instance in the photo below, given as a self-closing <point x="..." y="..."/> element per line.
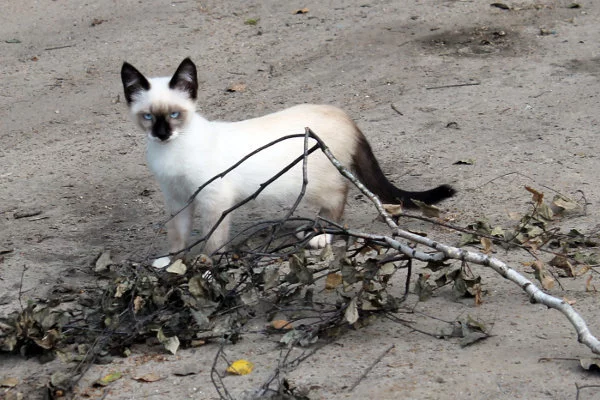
<point x="186" y="79"/>
<point x="133" y="81"/>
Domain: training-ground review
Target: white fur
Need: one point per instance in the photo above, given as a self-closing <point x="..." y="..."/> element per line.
<point x="201" y="149"/>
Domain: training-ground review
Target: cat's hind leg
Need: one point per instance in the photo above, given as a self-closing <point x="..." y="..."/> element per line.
<point x="333" y="211"/>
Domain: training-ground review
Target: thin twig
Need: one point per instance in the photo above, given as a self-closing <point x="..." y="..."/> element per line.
<point x="455" y="85"/>
<point x="364" y="374"/>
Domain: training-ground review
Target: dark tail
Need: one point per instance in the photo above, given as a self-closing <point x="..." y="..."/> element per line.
<point x="370" y="174"/>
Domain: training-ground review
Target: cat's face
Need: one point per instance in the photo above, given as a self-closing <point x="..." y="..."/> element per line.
<point x="162" y="107"/>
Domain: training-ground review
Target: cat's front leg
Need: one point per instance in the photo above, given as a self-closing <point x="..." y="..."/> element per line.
<point x="179" y="228"/>
<point x="211" y="212"/>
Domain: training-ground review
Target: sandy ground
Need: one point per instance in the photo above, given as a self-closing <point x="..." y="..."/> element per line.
<point x="70" y="152"/>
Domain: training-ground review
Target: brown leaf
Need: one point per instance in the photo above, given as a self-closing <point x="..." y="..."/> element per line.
<point x="487" y="245"/>
<point x="150" y="377"/>
<point x="301" y="11"/>
<point x="426" y="209"/>
<point x="569" y="301"/>
<point x="236" y="87"/>
<point x="542" y="275"/>
<point x="393" y="209"/>
<point x="588" y="285"/>
<point x="538" y="197"/>
<point x="281" y="324"/>
<point x="563" y="264"/>
<point x="9" y="382"/>
<point x="138" y="303"/>
<point x="333" y="280"/>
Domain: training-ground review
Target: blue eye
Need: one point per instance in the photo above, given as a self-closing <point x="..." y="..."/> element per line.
<point x="147" y="116"/>
<point x="174" y="114"/>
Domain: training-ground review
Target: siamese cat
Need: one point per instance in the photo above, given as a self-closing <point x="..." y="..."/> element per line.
<point x="184" y="150"/>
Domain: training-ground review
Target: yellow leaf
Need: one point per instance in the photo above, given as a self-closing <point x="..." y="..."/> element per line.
<point x="240" y="367"/>
<point x="333" y="280"/>
<point x="281" y="324"/>
<point x="301" y="11"/>
<point x="109" y="378"/>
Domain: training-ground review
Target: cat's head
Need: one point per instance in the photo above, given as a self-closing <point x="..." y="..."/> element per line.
<point x="164" y="106"/>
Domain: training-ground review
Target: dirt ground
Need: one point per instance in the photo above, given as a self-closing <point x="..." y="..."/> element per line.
<point x="71" y="157"/>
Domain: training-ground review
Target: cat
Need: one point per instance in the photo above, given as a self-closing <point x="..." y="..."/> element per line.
<point x="184" y="150"/>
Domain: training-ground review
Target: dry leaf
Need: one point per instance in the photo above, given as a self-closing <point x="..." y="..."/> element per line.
<point x="538" y="197"/>
<point x="301" y="11"/>
<point x="487" y="245"/>
<point x="170" y="343"/>
<point x="333" y="280"/>
<point x="9" y="382"/>
<point x="138" y="304"/>
<point x="178" y="267"/>
<point x="281" y="324"/>
<point x="588" y="285"/>
<point x="569" y="301"/>
<point x="150" y="377"/>
<point x="109" y="378"/>
<point x="542" y="275"/>
<point x="236" y="87"/>
<point x="351" y="313"/>
<point x="564" y="266"/>
<point x="426" y="209"/>
<point x="240" y="367"/>
<point x="393" y="209"/>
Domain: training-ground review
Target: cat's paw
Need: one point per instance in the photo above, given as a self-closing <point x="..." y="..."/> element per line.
<point x="320" y="241"/>
<point x="161" y="263"/>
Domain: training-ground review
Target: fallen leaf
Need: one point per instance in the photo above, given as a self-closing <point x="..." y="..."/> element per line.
<point x="501" y="6"/>
<point x="281" y="324"/>
<point x="236" y="87"/>
<point x="423" y="289"/>
<point x="538" y="197"/>
<point x="240" y="367"/>
<point x="12" y="41"/>
<point x="138" y="304"/>
<point x="178" y="267"/>
<point x="187" y="369"/>
<point x="169" y="343"/>
<point x="333" y="280"/>
<point x="588" y="284"/>
<point x="467" y="161"/>
<point x="251" y="21"/>
<point x="590" y="363"/>
<point x="565" y="268"/>
<point x="103" y="262"/>
<point x="351" y="313"/>
<point x="569" y="301"/>
<point x="426" y="209"/>
<point x="150" y="377"/>
<point x="393" y="209"/>
<point x="542" y="275"/>
<point x="301" y="11"/>
<point x="487" y="245"/>
<point x="109" y="378"/>
<point x="9" y="382"/>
